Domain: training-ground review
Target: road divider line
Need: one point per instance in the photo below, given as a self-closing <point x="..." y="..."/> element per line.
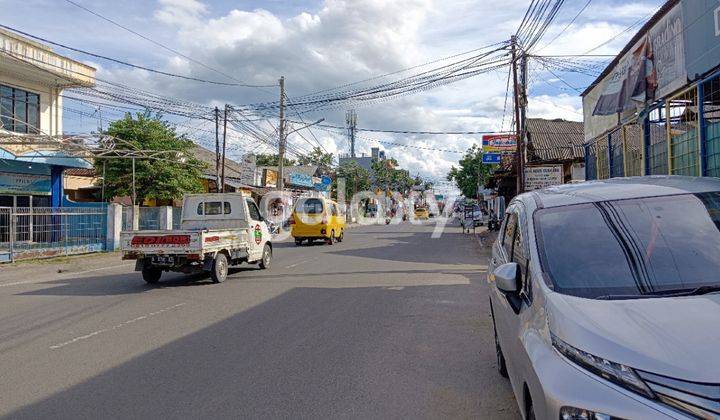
<point x="301" y="262"/>
<point x="114" y="327"/>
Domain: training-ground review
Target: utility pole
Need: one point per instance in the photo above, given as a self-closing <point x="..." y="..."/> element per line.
<point x="222" y="181"/>
<point x="217" y="149"/>
<point x="281" y="143"/>
<point x="523" y="118"/>
<point x="518" y="124"/>
<point x="351" y="120"/>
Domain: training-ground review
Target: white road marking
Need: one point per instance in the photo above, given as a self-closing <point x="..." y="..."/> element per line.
<point x="395" y="288"/>
<point x="301" y="262"/>
<point x="114" y="327"/>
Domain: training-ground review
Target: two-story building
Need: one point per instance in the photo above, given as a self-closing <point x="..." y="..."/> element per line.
<point x="32" y="79"/>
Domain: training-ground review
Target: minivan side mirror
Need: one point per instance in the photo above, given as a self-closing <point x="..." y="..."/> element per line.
<point x="506" y="277"/>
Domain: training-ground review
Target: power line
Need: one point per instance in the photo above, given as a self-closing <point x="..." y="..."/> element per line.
<point x="375" y="130"/>
<point x="566" y="26"/>
<point x="125" y="63"/>
<point x="239" y="82"/>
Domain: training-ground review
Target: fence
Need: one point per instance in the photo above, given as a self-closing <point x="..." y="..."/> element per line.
<point x="678" y="135"/>
<point x="27" y="233"/>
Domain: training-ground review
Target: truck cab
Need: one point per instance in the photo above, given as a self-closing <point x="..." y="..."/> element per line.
<point x="216" y="232"/>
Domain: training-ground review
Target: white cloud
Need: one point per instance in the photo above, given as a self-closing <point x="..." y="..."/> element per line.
<point x="348" y="40"/>
<point x="180" y="12"/>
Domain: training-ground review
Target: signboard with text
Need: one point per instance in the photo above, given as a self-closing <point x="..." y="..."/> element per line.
<point x="538" y="177"/>
<point x="12" y="183"/>
<point x="491" y="158"/>
<point x="301" y="180"/>
<point x="499" y="143"/>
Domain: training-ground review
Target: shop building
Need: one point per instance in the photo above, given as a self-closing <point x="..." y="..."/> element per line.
<point x="32" y="79"/>
<point x="654" y="109"/>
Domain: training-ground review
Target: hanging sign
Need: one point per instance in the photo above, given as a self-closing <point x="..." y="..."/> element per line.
<point x="491" y="158"/>
<point x="499" y="143"/>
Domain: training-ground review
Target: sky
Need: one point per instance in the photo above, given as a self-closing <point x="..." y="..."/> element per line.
<point x="320" y="44"/>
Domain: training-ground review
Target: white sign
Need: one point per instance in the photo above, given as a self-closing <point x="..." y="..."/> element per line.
<point x="537" y="177"/>
<point x="247" y="176"/>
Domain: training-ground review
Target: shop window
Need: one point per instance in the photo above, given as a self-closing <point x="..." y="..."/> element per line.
<point x="19" y="110"/>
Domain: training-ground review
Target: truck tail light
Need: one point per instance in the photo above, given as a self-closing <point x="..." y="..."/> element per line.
<point x="292" y="220"/>
<point x="193" y="257"/>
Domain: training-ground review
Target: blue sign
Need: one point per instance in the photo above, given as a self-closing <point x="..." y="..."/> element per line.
<point x="13" y="183"/>
<point x="326" y="180"/>
<point x="321" y="187"/>
<point x="492" y="158"/>
<point x="301" y="179"/>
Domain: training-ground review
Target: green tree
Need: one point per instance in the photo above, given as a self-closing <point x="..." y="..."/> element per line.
<point x="471" y="173"/>
<point x="383" y="172"/>
<point x="317" y="157"/>
<point x="162" y="180"/>
<point x="269" y="159"/>
<point x="356" y="177"/>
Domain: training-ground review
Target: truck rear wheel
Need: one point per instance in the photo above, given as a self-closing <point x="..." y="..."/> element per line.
<point x="151" y="275"/>
<point x="298" y="241"/>
<point x="219" y="271"/>
<point x="266" y="257"/>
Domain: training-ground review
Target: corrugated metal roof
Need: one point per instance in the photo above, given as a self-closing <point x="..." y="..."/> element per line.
<point x="202" y="154"/>
<point x="554" y="139"/>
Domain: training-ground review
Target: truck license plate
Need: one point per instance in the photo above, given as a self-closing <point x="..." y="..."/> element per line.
<point x="163" y="260"/>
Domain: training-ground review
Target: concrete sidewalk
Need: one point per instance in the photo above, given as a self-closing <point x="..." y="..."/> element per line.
<point x="33" y="269"/>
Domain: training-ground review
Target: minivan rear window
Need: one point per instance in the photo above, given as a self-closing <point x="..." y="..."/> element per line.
<point x="631" y="247"/>
<point x="310" y="206"/>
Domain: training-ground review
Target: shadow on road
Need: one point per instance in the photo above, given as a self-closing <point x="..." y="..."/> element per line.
<point x="369" y="353"/>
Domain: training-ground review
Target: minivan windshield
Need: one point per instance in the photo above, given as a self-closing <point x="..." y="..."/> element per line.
<point x="638" y="247"/>
<point x="310" y="206"/>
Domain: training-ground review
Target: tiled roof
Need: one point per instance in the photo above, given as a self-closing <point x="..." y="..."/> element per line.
<point x="80" y="172"/>
<point x="554" y="139"/>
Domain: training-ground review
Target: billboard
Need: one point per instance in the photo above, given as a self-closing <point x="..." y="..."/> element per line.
<point x="247" y="170"/>
<point x="652" y="68"/>
<point x="269" y="178"/>
<point x="499" y="143"/>
<point x="538" y="177"/>
<point x="301" y="180"/>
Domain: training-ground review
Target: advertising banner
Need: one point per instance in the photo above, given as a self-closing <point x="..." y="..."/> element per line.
<point x="499" y="143"/>
<point x="652" y="68"/>
<point x="270" y="178"/>
<point x="13" y="183"/>
<point x="301" y="180"/>
<point x="537" y="177"/>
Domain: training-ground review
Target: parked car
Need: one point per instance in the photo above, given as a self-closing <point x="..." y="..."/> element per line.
<point x="604" y="299"/>
<point x="316" y="218"/>
<point x="216" y="231"/>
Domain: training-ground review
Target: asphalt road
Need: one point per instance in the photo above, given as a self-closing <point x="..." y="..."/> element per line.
<point x="388" y="324"/>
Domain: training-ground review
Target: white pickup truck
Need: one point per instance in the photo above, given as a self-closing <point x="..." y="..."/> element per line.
<point x="217" y="231"/>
